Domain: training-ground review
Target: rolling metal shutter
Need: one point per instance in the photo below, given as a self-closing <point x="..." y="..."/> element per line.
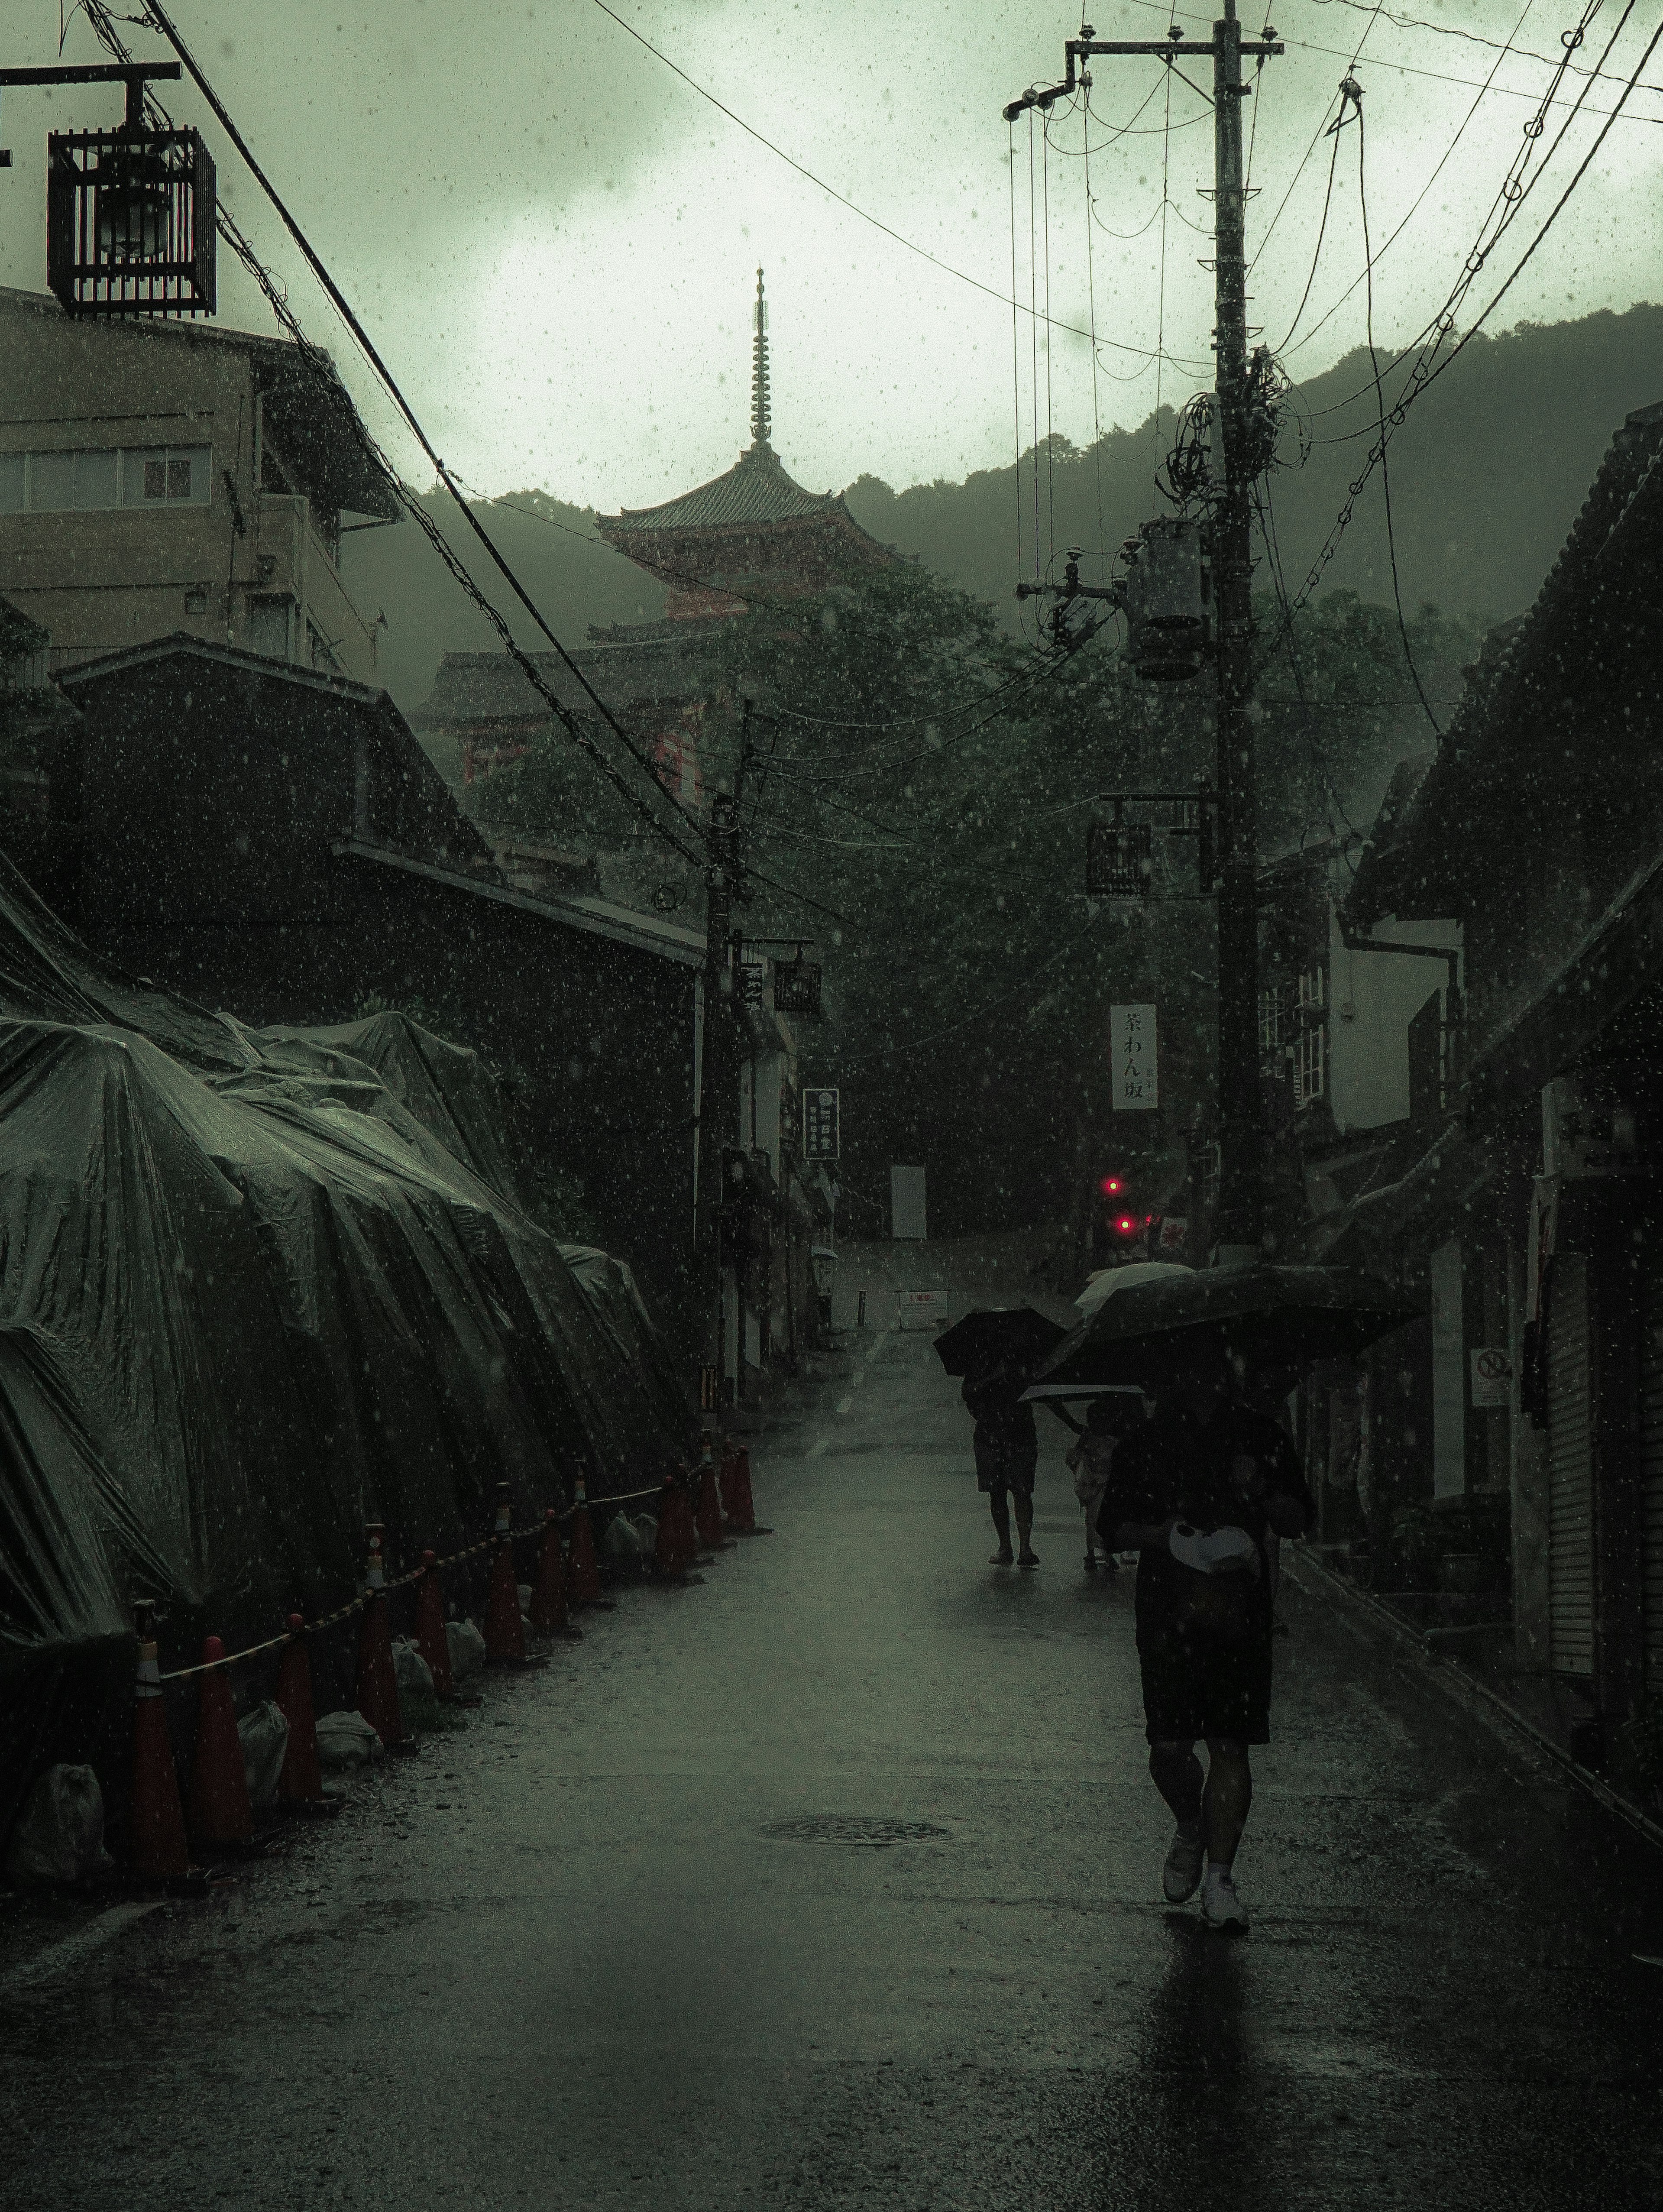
<point x="1651" y="1474"/>
<point x="1571" y="1469"/>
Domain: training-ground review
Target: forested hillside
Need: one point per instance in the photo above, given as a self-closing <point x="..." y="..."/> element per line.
<point x="1488" y="472"/>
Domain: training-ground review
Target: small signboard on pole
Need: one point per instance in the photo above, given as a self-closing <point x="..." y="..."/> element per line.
<point x="1134" y="1059"/>
<point x="823" y="1137"/>
<point x="1492" y="1377"/>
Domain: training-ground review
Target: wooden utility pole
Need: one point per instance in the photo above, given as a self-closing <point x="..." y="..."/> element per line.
<point x="1238" y="1225"/>
<point x="718" y="1104"/>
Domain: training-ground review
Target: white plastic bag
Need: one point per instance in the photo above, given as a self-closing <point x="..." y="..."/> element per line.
<point x="346" y="1741"/>
<point x="264" y="1735"/>
<point x="621" y="1545"/>
<point x="59" y="1834"/>
<point x="467" y="1649"/>
<point x="411" y="1670"/>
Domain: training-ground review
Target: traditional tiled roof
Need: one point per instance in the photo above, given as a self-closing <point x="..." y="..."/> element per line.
<point x="477" y="688"/>
<point x="757" y="489"/>
<point x="1419" y="853"/>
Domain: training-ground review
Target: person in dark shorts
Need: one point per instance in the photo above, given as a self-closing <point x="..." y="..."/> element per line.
<point x="1198" y="1493"/>
<point x="1007" y="1452"/>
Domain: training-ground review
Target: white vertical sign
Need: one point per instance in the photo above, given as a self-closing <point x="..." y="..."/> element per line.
<point x="906" y="1202"/>
<point x="1134" y="1059"/>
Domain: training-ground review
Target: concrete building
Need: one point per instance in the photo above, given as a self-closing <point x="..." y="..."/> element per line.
<point x="158" y="478"/>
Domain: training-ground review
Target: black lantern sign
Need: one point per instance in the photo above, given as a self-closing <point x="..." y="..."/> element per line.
<point x="129" y="212"/>
<point x="130" y="223"/>
<point x="1119" y="858"/>
<point x="797" y="986"/>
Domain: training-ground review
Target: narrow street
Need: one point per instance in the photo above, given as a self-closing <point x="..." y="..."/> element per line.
<point x="576" y="1954"/>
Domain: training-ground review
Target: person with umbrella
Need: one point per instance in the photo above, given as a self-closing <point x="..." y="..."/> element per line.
<point x="1007" y="1447"/>
<point x="993" y="1350"/>
<point x="1201" y="1493"/>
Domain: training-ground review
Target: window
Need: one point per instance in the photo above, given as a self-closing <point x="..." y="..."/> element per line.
<point x="1310" y="1064"/>
<point x="71" y="482"/>
<point x="1276" y="1017"/>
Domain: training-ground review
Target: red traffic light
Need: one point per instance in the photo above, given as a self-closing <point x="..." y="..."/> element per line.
<point x="1127" y="1226"/>
<point x="1111" y="1186"/>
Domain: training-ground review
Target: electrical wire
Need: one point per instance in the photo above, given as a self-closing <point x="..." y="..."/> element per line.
<point x="1160" y="309"/>
<point x="1050" y="416"/>
<point x="1285" y="347"/>
<point x="820" y="184"/>
<point x="920" y="1044"/>
<point x="1033" y="340"/>
<point x="1091" y="317"/>
<point x="1409" y="69"/>
<point x="1475" y="39"/>
<point x="1321" y="233"/>
<point x="1511" y="194"/>
<point x="1016" y="345"/>
<point x="1429" y="367"/>
<point x="337" y="299"/>
<point x="1379" y="402"/>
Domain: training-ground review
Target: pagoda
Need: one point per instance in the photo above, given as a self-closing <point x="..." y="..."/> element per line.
<point x="753" y="534"/>
<point x="748" y="542"/>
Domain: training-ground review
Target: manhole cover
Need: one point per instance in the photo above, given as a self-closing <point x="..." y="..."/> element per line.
<point x="852" y="1828"/>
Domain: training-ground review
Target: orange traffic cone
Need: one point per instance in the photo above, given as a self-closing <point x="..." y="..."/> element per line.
<point x="431" y="1640"/>
<point x="505" y="1631"/>
<point x="159" y="1849"/>
<point x="584" y="1588"/>
<point x="736" y="1489"/>
<point x="219" y="1810"/>
<point x="670" y="1551"/>
<point x="301" y="1781"/>
<point x="378" y="1683"/>
<point x="709" y="1520"/>
<point x="548" y="1597"/>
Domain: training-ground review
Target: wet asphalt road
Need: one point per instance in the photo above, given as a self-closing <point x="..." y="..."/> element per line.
<point x="560" y="1960"/>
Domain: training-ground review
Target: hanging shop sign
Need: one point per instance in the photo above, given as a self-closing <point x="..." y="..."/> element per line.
<point x="797" y="986"/>
<point x="1134" y="1059"/>
<point x="1120" y="859"/>
<point x="753" y="976"/>
<point x="822" y="1137"/>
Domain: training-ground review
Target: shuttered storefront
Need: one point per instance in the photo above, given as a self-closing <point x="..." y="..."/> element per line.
<point x="1570" y="1468"/>
<point x="1651" y="1474"/>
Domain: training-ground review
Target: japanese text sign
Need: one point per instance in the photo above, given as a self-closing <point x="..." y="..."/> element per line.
<point x="1132" y="1060"/>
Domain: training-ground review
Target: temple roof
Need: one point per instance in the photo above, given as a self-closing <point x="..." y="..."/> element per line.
<point x="757" y="489"/>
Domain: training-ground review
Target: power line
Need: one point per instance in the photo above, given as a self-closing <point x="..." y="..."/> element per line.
<point x="342" y="307"/>
<point x="1405" y="69"/>
<point x="1475" y="39"/>
<point x="1414" y="204"/>
<point x="830" y="191"/>
<point x="1427" y="367"/>
<point x="1379" y="403"/>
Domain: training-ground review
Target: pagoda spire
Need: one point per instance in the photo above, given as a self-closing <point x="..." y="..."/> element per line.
<point x="762" y="415"/>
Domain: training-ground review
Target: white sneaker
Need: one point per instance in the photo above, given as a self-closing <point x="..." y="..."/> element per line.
<point x="1220" y="1906"/>
<point x="1181" y="1877"/>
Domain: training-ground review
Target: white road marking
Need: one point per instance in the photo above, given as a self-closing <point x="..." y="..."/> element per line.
<point x="816" y="1448"/>
<point x="114" y="1921"/>
<point x="843" y="1405"/>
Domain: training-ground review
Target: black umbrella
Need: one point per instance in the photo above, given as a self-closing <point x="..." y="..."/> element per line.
<point x="1269" y="1316"/>
<point x="979" y="1342"/>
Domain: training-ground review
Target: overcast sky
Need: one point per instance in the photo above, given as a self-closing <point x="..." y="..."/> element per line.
<point x="554" y="239"/>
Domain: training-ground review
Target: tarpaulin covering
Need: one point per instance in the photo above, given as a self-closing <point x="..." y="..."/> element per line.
<point x="643" y="1351"/>
<point x="256" y="1288"/>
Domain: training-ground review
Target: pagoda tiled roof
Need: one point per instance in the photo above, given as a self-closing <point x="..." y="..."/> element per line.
<point x="757" y="489"/>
